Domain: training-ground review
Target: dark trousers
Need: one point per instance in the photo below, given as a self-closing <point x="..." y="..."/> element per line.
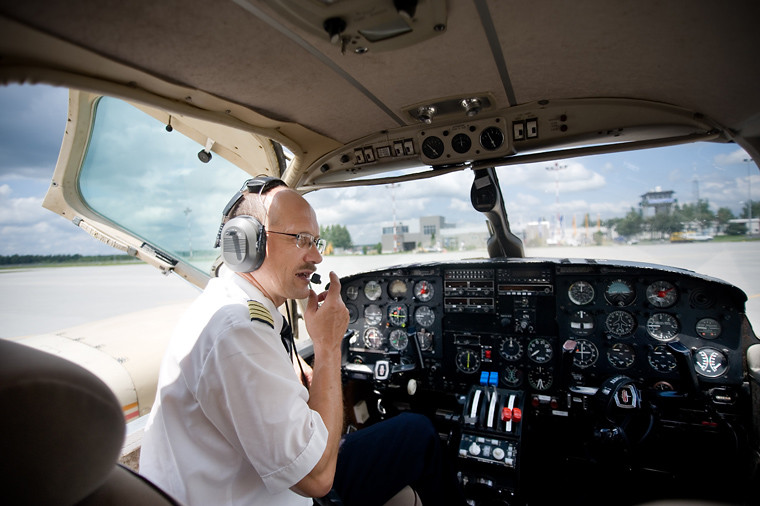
<point x="375" y="463"/>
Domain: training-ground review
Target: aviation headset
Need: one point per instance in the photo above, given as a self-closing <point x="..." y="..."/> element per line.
<point x="243" y="238"/>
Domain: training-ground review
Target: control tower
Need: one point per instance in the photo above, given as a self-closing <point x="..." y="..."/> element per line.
<point x="659" y="199"/>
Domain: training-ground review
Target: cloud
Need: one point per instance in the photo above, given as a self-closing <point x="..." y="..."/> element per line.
<point x="31" y="129"/>
<point x="734" y="157"/>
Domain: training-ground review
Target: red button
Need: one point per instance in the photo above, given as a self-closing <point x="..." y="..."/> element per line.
<point x="517" y="414"/>
<point x="506" y="414"/>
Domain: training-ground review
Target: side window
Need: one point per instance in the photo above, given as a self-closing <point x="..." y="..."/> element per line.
<point x="151" y="183"/>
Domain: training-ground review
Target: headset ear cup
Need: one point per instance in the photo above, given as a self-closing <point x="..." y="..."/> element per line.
<point x="244" y="244"/>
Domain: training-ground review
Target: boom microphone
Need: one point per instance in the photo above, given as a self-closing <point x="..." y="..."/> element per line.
<point x="316" y="279"/>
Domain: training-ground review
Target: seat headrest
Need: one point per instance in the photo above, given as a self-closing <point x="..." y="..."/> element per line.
<point x="61" y="430"/>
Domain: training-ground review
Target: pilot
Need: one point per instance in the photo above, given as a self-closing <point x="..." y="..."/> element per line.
<point x="233" y="423"/>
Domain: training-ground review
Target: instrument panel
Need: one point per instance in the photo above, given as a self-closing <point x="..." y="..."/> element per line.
<point x="543" y="326"/>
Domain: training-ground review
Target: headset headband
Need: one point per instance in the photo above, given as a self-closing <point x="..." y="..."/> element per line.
<point x="260" y="185"/>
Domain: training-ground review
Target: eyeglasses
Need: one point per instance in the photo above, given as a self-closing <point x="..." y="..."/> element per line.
<point x="305" y="241"/>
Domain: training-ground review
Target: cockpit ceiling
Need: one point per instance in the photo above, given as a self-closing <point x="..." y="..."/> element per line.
<point x="702" y="57"/>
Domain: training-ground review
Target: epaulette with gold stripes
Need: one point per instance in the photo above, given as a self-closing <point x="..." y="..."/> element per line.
<point x="260" y="313"/>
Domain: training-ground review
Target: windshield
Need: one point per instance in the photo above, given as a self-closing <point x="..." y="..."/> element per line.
<point x="641" y="206"/>
<point x="150" y="182"/>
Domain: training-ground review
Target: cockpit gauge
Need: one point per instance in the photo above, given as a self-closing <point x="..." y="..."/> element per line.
<point x="662" y="294"/>
<point x="661" y="359"/>
<point x="424" y="316"/>
<point x="581" y="293"/>
<point x="432" y="147"/>
<point x="511" y="348"/>
<point x="540" y="378"/>
<point x="461" y="143"/>
<point x="398" y="339"/>
<point x="540" y="350"/>
<point x="586" y="353"/>
<point x="467" y="361"/>
<point x="372" y="290"/>
<point x="662" y="326"/>
<point x="353" y="313"/>
<point x="352" y="292"/>
<point x="619" y="292"/>
<point x="621" y="355"/>
<point x="582" y="323"/>
<point x="491" y="138"/>
<point x="709" y="328"/>
<point x="397" y="289"/>
<point x="423" y="290"/>
<point x="512" y="376"/>
<point x="425" y="340"/>
<point x="373" y="338"/>
<point x="663" y="386"/>
<point x="620" y="323"/>
<point x="373" y="315"/>
<point x="710" y="363"/>
<point x="397" y="315"/>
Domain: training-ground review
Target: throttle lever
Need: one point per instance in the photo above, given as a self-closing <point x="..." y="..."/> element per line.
<point x="566" y="362"/>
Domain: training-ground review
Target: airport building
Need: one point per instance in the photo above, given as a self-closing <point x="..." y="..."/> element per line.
<point x="432" y="233"/>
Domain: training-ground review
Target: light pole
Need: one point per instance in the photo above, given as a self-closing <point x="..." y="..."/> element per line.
<point x="749" y="196"/>
<point x="556" y="168"/>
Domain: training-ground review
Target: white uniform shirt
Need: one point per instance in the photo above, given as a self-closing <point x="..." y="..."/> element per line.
<point x="230" y="424"/>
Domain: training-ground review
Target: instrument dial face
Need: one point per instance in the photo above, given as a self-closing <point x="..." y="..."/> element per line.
<point x="397" y="289"/>
<point x="511" y="348"/>
<point x="709" y="328"/>
<point x="662" y="326"/>
<point x="491" y="138"/>
<point x="397" y="315"/>
<point x="581" y="293"/>
<point x="512" y="376"/>
<point x="661" y="359"/>
<point x="352" y="292"/>
<point x="540" y="350"/>
<point x="432" y="147"/>
<point x="425" y="339"/>
<point x="424" y="316"/>
<point x="621" y="355"/>
<point x="423" y="290"/>
<point x="372" y="290"/>
<point x="586" y="353"/>
<point x="582" y="323"/>
<point x="461" y="143"/>
<point x="373" y="315"/>
<point x="710" y="363"/>
<point x="620" y="323"/>
<point x="662" y="294"/>
<point x="398" y="339"/>
<point x="619" y="292"/>
<point x="353" y="313"/>
<point x="373" y="338"/>
<point x="467" y="361"/>
<point x="540" y="378"/>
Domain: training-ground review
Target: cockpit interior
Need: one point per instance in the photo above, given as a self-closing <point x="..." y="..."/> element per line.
<point x="573" y="380"/>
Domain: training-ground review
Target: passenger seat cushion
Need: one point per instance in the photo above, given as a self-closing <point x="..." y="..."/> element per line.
<point x="62" y="428"/>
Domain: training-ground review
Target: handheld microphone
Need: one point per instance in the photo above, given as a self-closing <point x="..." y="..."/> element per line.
<point x="316" y="279"/>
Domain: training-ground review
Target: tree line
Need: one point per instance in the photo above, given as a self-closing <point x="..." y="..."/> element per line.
<point x="63" y="259"/>
<point x="679" y="218"/>
<point x="336" y="235"/>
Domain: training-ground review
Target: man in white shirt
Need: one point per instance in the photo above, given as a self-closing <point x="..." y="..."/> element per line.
<point x="232" y="423"/>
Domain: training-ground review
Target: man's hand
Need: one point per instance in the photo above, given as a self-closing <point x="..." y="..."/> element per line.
<point x="326" y="317"/>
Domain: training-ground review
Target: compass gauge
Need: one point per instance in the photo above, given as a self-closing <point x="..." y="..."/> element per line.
<point x="662" y="294"/>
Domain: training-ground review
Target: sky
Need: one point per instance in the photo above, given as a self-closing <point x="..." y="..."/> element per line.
<point x="34" y="118"/>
